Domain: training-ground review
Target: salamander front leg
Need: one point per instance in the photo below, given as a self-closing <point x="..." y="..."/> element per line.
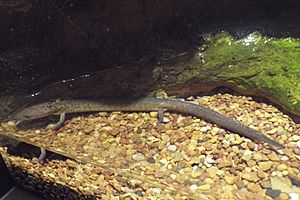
<point x="59" y="123"/>
<point x="42" y="155"/>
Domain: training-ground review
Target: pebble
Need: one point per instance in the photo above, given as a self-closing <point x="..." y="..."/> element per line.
<point x="196" y="173"/>
<point x="214" y="130"/>
<point x="230" y="179"/>
<point x="139" y="193"/>
<point x="164" y="161"/>
<point x="265" y="166"/>
<point x="204" y="187"/>
<point x="209" y="160"/>
<point x="153" y="114"/>
<point x="240" y="184"/>
<point x="295" y="180"/>
<point x="254" y="187"/>
<point x="212" y="172"/>
<point x="224" y="163"/>
<point x="251" y="163"/>
<point x="204" y="129"/>
<point x="251" y="145"/>
<point x="273" y="156"/>
<point x="247" y="155"/>
<point x="273" y="193"/>
<point x="193" y="187"/>
<point x="156" y="190"/>
<point x="11" y="123"/>
<point x="151" y="160"/>
<point x="238" y="139"/>
<point x="295" y="138"/>
<point x="138" y="157"/>
<point x="259" y="156"/>
<point x="261" y="174"/>
<point x="265" y="184"/>
<point x="284" y="158"/>
<point x="294" y="196"/>
<point x="172" y="147"/>
<point x="297" y="150"/>
<point x="282" y="167"/>
<point x="250" y="176"/>
<point x="282" y="183"/>
<point x="284" y="196"/>
<point x="159" y="174"/>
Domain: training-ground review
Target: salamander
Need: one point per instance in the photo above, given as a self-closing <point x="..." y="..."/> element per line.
<point x="63" y="107"/>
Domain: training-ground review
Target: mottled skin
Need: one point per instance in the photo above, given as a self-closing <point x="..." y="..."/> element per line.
<point x="141" y="104"/>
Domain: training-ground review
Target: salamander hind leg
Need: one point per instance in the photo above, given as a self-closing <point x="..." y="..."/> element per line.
<point x="160" y="115"/>
<point x="59" y="123"/>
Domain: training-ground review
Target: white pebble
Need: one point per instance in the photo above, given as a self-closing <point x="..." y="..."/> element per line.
<point x="156" y="190"/>
<point x="209" y="160"/>
<point x="165" y="120"/>
<point x="138" y="157"/>
<point x="204" y="129"/>
<point x="294" y="196"/>
<point x="163" y="161"/>
<point x="11" y="123"/>
<point x="193" y="187"/>
<point x="284" y="158"/>
<point x="172" y="147"/>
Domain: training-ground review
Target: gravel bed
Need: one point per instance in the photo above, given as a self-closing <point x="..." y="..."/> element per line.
<point x="186" y="157"/>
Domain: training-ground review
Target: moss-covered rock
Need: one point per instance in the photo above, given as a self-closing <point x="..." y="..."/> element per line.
<point x="256" y="65"/>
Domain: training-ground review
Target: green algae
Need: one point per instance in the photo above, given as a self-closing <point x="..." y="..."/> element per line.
<point x="255" y="64"/>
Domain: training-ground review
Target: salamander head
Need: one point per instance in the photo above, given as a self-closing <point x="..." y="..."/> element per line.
<point x="37" y="111"/>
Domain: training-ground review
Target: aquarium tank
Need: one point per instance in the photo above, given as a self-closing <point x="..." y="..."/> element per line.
<point x="147" y="99"/>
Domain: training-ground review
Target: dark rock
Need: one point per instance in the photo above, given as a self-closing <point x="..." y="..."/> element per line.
<point x="151" y="160"/>
<point x="273" y="193"/>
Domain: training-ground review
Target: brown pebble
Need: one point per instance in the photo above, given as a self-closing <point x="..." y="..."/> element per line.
<point x="295" y="164"/>
<point x="240" y="167"/>
<point x="297" y="150"/>
<point x="240" y="184"/>
<point x="159" y="174"/>
<point x="114" y="131"/>
<point x="260" y="147"/>
<point x="251" y="145"/>
<point x="261" y="174"/>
